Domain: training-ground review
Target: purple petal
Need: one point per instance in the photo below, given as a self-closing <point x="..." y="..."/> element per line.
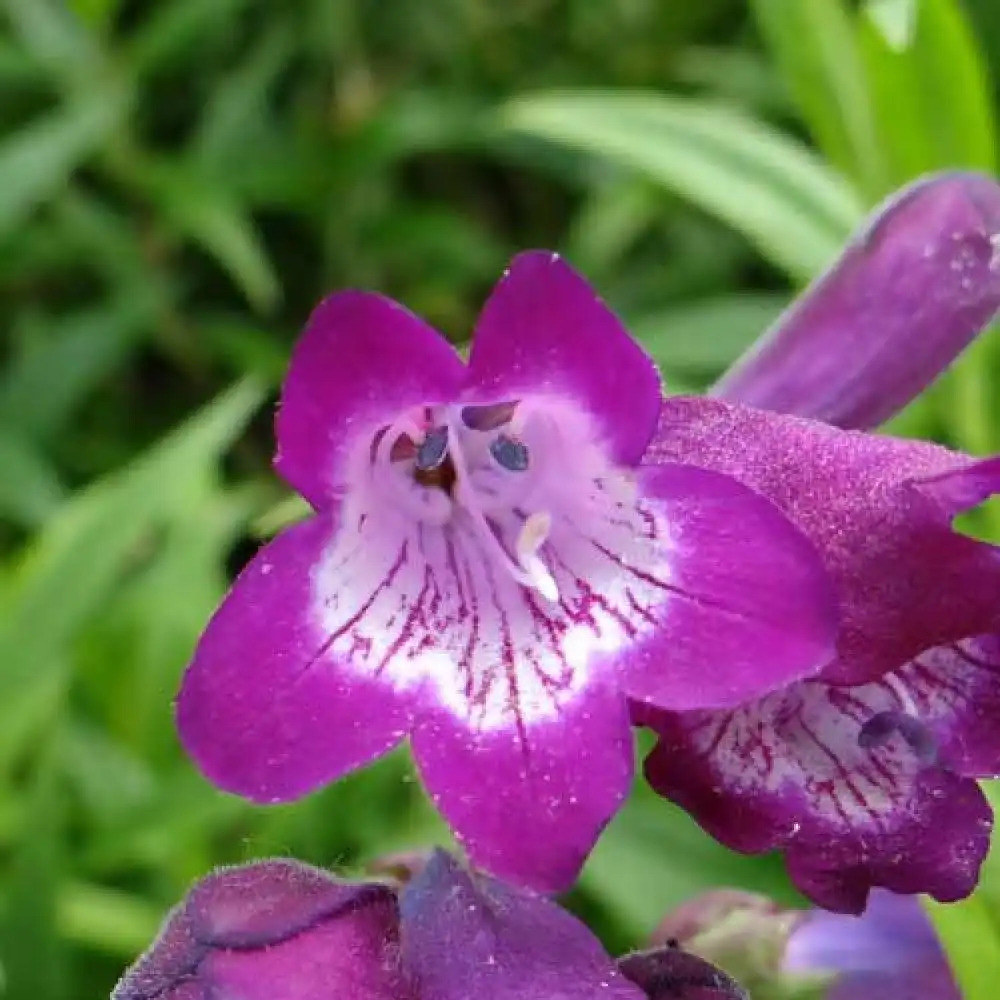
<point x="362" y="360"/>
<point x="266" y="709"/>
<point x="878" y="509"/>
<point x="672" y="974"/>
<point x="270" y="928"/>
<point x="545" y="331"/>
<point x="750" y="607"/>
<point x="795" y="772"/>
<point x="523" y="800"/>
<point x="466" y="935"/>
<point x="912" y="289"/>
<point x="889" y="951"/>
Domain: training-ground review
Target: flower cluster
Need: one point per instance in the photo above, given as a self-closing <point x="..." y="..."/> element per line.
<point x="283" y="929"/>
<point x="514" y="560"/>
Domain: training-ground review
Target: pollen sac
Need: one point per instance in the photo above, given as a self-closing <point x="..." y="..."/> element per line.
<point x="509" y="454"/>
<point x="882" y="726"/>
<point x="432" y="450"/>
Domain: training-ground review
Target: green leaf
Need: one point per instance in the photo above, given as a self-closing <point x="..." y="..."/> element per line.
<point x="203" y="210"/>
<point x="51" y="32"/>
<point x="33" y="955"/>
<point x="933" y="96"/>
<point x="816" y="52"/>
<point x="30" y="489"/>
<point x="59" y="360"/>
<point x="773" y="190"/>
<point x="68" y="573"/>
<point x="971" y="941"/>
<point x="895" y="19"/>
<point x="707" y="336"/>
<point x="38" y="159"/>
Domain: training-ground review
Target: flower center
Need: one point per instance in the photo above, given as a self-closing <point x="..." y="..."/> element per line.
<point x="475" y="463"/>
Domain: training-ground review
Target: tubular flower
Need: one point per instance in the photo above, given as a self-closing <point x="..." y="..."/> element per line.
<point x="890" y="951"/>
<point x="283" y="929"/>
<point x="863" y="775"/>
<point x="491" y="572"/>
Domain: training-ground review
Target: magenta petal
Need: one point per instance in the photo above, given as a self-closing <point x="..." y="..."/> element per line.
<point x="362" y="360"/>
<point x="878" y="509"/>
<point x="525" y="800"/>
<point x="672" y="974"/>
<point x="265" y="710"/>
<point x="274" y="928"/>
<point x="911" y="290"/>
<point x="861" y="786"/>
<point x="750" y="606"/>
<point x="544" y="330"/>
<point x="468" y="936"/>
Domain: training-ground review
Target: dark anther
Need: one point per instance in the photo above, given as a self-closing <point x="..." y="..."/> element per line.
<point x="882" y="726"/>
<point x="488" y="417"/>
<point x="509" y="454"/>
<point x="432" y="450"/>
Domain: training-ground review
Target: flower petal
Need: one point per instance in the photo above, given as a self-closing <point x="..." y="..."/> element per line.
<point x="795" y="771"/>
<point x="362" y="360"/>
<point x="912" y="289"/>
<point x="467" y="935"/>
<point x="750" y="607"/>
<point x="252" y="932"/>
<point x="878" y="509"/>
<point x="672" y="974"/>
<point x="523" y="800"/>
<point x="889" y="951"/>
<point x="544" y="330"/>
<point x="267" y="709"/>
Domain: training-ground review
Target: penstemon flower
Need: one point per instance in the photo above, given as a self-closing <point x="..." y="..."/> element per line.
<point x="864" y="775"/>
<point x="891" y="951"/>
<point x="491" y="572"/>
<point x="283" y="929"/>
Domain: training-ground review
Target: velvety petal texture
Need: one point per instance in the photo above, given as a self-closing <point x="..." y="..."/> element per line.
<point x="750" y="607"/>
<point x="468" y="935"/>
<point x="266" y="708"/>
<point x="279" y="930"/>
<point x="275" y="927"/>
<point x="911" y="290"/>
<point x="890" y="951"/>
<point x="361" y="359"/>
<point x="860" y="786"/>
<point x="521" y="801"/>
<point x="879" y="511"/>
<point x="544" y="330"/>
<point x="489" y="573"/>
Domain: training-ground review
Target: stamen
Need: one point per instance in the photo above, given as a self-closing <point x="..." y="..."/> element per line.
<point x="882" y="726"/>
<point x="531" y="538"/>
<point x="488" y="417"/>
<point x="433" y="449"/>
<point x="509" y="454"/>
<point x="528" y="571"/>
<point x="406" y="426"/>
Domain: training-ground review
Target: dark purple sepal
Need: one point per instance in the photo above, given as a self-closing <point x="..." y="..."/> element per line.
<point x="467" y="935"/>
<point x="671" y="974"/>
<point x="274" y="928"/>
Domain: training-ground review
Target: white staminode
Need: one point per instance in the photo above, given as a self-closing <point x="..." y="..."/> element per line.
<point x="528" y="569"/>
<point x="498" y="580"/>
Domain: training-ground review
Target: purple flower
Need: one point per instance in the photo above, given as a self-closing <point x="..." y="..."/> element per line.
<point x="283" y="929"/>
<point x="864" y="775"/>
<point x="891" y="951"/>
<point x="491" y="572"/>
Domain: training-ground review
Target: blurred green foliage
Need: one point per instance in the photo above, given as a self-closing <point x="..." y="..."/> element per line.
<point x="181" y="180"/>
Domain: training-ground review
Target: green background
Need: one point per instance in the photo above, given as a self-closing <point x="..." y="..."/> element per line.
<point x="181" y="180"/>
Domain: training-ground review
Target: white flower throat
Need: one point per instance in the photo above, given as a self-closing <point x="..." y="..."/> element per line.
<point x="474" y="462"/>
